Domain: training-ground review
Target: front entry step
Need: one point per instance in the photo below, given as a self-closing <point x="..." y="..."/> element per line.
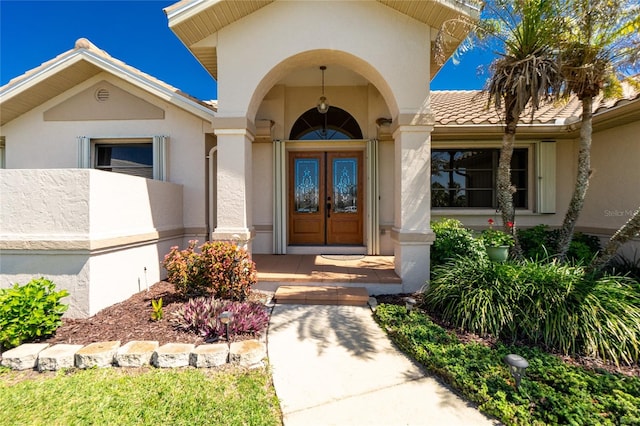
<point x="321" y="295"/>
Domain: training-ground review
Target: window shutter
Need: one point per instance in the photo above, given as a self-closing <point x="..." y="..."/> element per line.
<point x="547" y="177"/>
<point x="84" y="152"/>
<point x="160" y="150"/>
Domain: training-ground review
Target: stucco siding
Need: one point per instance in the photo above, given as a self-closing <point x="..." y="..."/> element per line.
<point x="84" y="231"/>
<point x="368" y="35"/>
<point x="34" y="143"/>
<point x="614" y="189"/>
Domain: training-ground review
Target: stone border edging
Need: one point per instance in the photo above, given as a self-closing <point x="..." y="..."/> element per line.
<point x="43" y="357"/>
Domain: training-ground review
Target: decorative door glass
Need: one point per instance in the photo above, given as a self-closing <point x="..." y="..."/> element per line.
<point x="307" y="185"/>
<point x="345" y="185"/>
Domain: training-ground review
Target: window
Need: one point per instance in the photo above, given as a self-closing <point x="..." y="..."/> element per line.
<point x="134" y="159"/>
<point x="467" y="177"/>
<point x="335" y="124"/>
<point x="145" y="157"/>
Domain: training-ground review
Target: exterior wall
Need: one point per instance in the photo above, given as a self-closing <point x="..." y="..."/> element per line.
<point x="78" y="228"/>
<point x="612" y="196"/>
<point x="367" y="33"/>
<point x="614" y="189"/>
<point x="29" y="137"/>
<point x="68" y="269"/>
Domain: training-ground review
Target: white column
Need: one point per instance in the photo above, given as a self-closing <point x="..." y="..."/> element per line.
<point x="234" y="186"/>
<point x="412" y="235"/>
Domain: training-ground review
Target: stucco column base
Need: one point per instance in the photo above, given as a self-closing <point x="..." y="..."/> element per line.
<point x="412" y="262"/>
<point x="241" y="236"/>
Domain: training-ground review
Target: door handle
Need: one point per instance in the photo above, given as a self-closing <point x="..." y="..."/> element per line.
<point x="328" y="209"/>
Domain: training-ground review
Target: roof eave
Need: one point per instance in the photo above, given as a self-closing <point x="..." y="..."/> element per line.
<point x="189" y="30"/>
<point x="12" y="90"/>
<point x="492" y="131"/>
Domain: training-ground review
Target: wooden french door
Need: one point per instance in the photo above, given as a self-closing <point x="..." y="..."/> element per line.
<point x="325" y="198"/>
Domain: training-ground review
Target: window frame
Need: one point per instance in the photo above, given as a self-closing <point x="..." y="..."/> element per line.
<point x="88" y="147"/>
<point x="531" y="189"/>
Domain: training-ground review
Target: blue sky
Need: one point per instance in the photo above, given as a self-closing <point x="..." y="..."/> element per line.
<point x="136" y="32"/>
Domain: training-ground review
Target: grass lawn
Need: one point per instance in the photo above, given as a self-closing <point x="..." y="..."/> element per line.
<point x="120" y="396"/>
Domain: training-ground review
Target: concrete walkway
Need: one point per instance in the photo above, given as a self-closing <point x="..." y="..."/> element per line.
<point x="333" y="365"/>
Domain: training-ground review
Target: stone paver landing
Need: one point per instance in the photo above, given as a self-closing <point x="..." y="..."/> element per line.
<point x="321" y="295"/>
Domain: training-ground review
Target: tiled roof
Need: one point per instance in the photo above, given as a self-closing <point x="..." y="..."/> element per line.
<point x="466" y="107"/>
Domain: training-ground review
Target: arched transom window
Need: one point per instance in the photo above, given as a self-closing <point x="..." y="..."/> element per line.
<point x="336" y="124"/>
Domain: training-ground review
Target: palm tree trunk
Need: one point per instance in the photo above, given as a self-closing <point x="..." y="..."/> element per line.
<point x="582" y="180"/>
<point x="628" y="231"/>
<point x="505" y="188"/>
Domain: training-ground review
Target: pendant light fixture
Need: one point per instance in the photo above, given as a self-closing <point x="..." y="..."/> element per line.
<point x="323" y="105"/>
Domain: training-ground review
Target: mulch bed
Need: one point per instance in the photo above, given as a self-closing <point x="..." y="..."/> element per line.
<point x="129" y="320"/>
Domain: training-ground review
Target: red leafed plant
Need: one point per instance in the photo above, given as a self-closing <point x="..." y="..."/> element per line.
<point x="231" y="270"/>
<point x="220" y="268"/>
<point x="201" y="315"/>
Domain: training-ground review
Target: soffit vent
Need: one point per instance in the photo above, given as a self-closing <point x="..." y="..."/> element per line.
<point x="102" y="95"/>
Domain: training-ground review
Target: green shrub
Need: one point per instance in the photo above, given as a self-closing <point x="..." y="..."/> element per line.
<point x="453" y="240"/>
<point x="551" y="392"/>
<point x="468" y="293"/>
<point x="556" y="306"/>
<point x="536" y="242"/>
<point x="29" y="311"/>
<point x="540" y="243"/>
<point x="220" y="268"/>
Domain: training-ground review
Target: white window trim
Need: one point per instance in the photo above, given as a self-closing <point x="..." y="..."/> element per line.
<point x="160" y="146"/>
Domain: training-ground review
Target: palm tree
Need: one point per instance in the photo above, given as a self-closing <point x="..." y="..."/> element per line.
<point x="600" y="47"/>
<point x="628" y="231"/>
<point x="524" y="75"/>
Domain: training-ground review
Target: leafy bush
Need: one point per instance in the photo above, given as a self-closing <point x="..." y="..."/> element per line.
<point x="221" y="268"/>
<point x="553" y="305"/>
<point x="551" y="392"/>
<point x="232" y="271"/>
<point x="467" y="293"/>
<point x="186" y="270"/>
<point x="453" y="240"/>
<point x="29" y="311"/>
<point x="200" y="315"/>
<point x="536" y="242"/>
<point x="540" y="243"/>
